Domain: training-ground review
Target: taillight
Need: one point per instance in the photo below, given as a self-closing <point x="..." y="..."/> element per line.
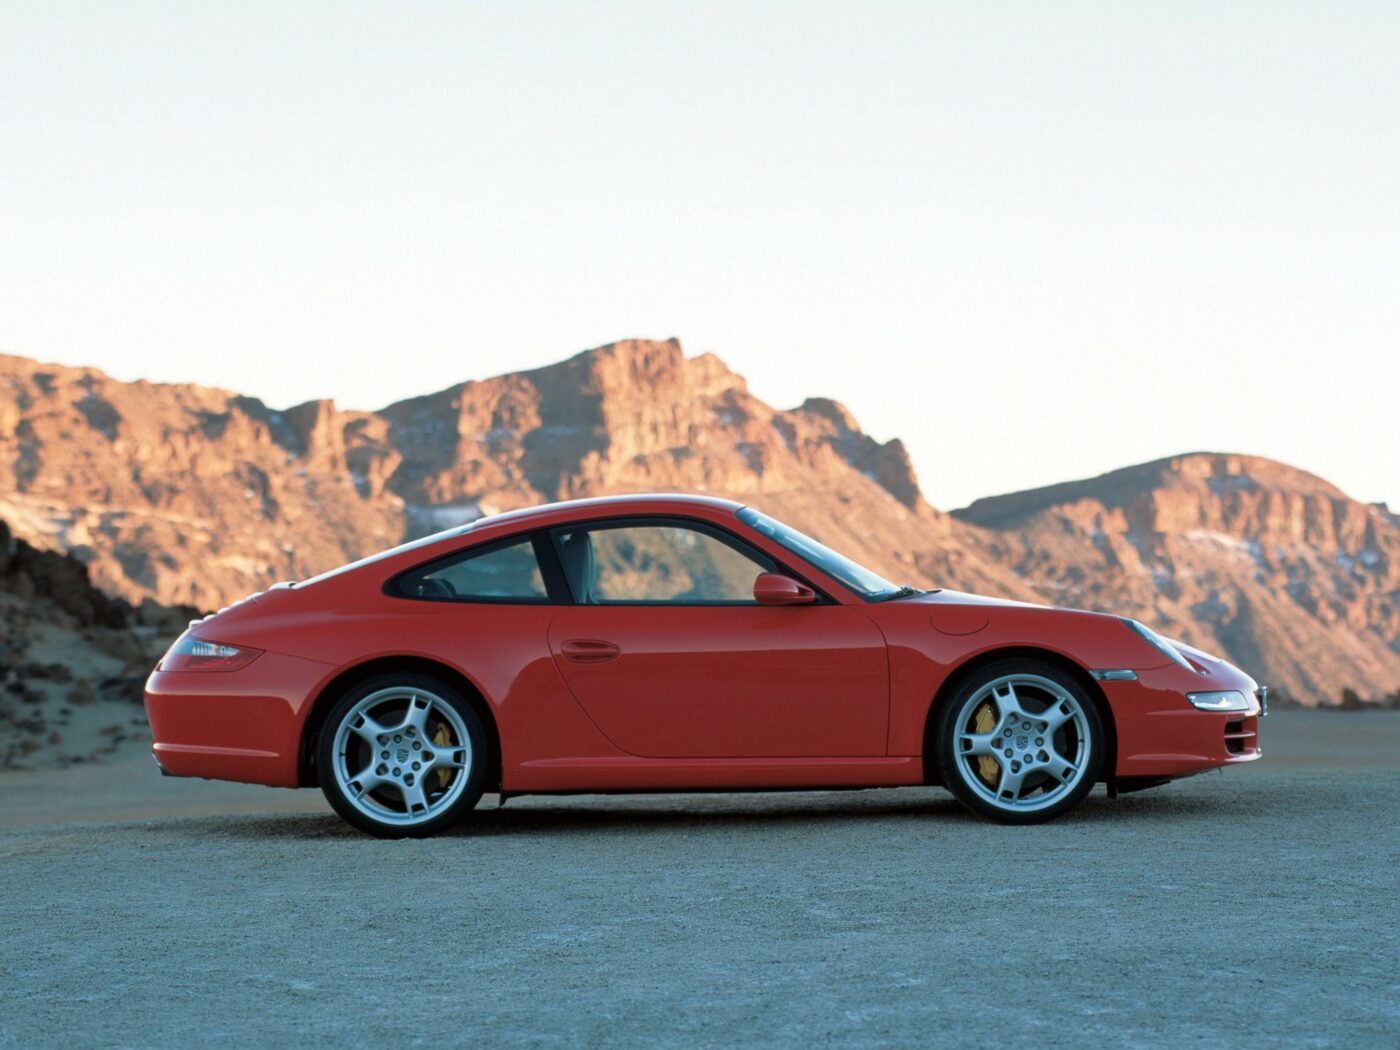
<point x="198" y="654"/>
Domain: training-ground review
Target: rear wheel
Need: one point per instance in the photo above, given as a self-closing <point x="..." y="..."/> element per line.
<point x="402" y="755"/>
<point x="1020" y="741"/>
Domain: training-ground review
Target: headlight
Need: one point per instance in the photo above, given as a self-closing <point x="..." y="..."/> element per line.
<point x="1225" y="700"/>
<point x="1152" y="638"/>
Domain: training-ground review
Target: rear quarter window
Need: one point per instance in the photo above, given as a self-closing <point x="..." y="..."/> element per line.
<point x="504" y="573"/>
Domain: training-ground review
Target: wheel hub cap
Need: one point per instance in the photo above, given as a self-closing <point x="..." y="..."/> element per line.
<point x="1022" y="742"/>
<point x="386" y="746"/>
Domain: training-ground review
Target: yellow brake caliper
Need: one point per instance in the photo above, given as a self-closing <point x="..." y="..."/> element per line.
<point x="984" y="722"/>
<point x="443" y="738"/>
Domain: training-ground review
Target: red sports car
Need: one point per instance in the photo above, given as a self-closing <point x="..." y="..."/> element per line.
<point x="674" y="643"/>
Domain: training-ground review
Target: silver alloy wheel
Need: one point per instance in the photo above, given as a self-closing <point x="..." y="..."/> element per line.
<point x="402" y="755"/>
<point x="1037" y="741"/>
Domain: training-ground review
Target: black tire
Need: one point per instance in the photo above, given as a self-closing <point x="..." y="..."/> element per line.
<point x="448" y="812"/>
<point x="1033" y="804"/>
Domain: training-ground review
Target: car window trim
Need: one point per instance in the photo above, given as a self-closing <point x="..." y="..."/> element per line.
<point x="552" y="568"/>
<point x="556" y="594"/>
<point x="718" y="532"/>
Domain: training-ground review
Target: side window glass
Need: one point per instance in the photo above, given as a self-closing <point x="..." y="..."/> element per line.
<point x="500" y="574"/>
<point x="656" y="563"/>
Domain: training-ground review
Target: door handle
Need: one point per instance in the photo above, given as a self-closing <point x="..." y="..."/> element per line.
<point x="587" y="651"/>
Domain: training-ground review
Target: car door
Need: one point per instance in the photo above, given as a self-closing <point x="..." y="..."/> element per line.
<point x="669" y="654"/>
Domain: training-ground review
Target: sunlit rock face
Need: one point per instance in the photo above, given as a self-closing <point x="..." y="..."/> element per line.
<point x="1235" y="554"/>
<point x="187" y="494"/>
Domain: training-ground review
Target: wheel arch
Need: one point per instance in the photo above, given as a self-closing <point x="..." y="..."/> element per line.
<point x="347" y="678"/>
<point x="973" y="664"/>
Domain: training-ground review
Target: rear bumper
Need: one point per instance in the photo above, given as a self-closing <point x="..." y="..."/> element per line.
<point x="239" y="725"/>
<point x="1161" y="735"/>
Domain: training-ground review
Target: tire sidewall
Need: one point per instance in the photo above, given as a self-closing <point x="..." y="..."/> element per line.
<point x="951" y="771"/>
<point x="325" y="756"/>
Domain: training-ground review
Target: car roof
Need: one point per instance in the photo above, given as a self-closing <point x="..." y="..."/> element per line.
<point x="646" y="502"/>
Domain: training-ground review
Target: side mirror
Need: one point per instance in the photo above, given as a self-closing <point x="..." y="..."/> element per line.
<point x="772" y="588"/>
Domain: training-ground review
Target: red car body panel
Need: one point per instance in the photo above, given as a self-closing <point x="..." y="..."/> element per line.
<point x="238" y="727"/>
<point x="731" y="681"/>
<point x="834" y="694"/>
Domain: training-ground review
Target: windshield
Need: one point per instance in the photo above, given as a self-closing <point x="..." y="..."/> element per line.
<point x="867" y="584"/>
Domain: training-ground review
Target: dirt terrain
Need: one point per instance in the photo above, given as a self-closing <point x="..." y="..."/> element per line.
<point x="1254" y="908"/>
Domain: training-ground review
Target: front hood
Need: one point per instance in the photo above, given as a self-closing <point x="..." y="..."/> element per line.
<point x="1094" y="639"/>
<point x="947" y="597"/>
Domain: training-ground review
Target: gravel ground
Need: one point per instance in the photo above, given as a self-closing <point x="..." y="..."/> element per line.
<point x="1256" y="908"/>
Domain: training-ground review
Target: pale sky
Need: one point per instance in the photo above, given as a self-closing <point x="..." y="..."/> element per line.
<point x="1037" y="241"/>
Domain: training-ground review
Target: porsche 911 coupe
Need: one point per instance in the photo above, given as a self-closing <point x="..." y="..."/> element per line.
<point x="674" y="643"/>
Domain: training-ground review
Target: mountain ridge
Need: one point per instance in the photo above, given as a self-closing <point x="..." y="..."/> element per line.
<point x="1239" y="554"/>
<point x="1160" y="472"/>
<point x="197" y="495"/>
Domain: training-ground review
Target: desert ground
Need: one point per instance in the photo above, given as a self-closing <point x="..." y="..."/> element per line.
<point x="1251" y="908"/>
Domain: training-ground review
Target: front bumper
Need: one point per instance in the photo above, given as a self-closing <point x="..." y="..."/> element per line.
<point x="1160" y="734"/>
<point x="240" y="725"/>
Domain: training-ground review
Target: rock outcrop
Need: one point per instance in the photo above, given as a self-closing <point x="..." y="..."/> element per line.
<point x="1235" y="554"/>
<point x="72" y="659"/>
<point x="195" y="495"/>
<point x="186" y="494"/>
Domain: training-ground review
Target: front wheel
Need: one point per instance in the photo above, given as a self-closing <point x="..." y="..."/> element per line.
<point x="402" y="755"/>
<point x="1020" y="741"/>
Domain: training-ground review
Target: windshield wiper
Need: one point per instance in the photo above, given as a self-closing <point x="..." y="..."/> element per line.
<point x="902" y="591"/>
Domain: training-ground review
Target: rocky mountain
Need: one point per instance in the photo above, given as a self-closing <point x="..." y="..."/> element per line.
<point x="186" y="494"/>
<point x="1234" y="554"/>
<point x="190" y="494"/>
<point x="177" y="492"/>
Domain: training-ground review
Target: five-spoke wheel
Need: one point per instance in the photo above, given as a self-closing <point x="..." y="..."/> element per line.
<point x="402" y="754"/>
<point x="1020" y="741"/>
